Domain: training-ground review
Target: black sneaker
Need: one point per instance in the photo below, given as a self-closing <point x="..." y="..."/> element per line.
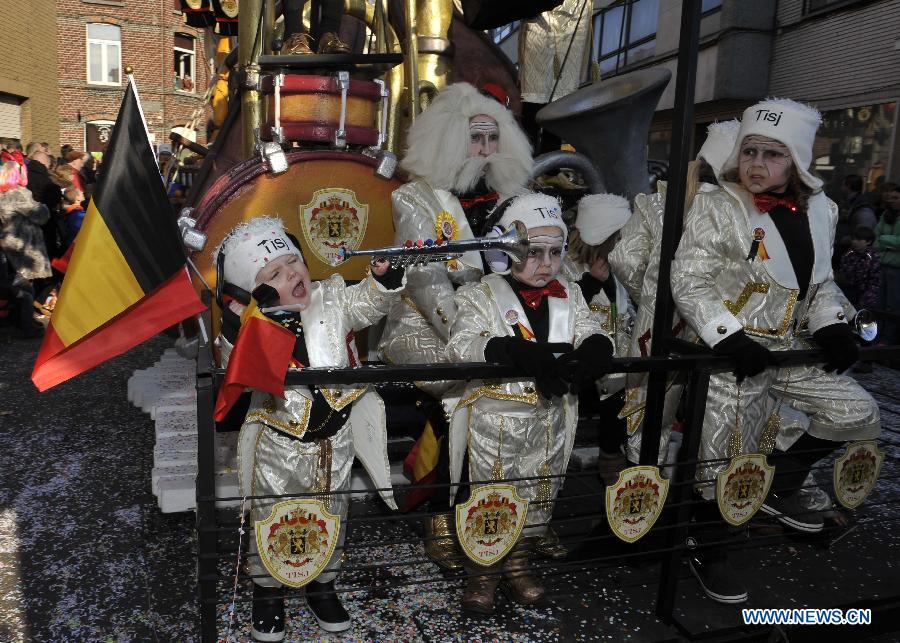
<point x="268" y="613"/>
<point x="326" y="607"/>
<point x="716" y="576"/>
<point x="788" y="510"/>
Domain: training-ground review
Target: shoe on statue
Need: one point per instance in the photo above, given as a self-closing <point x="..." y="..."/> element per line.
<point x="268" y="614"/>
<point x="326" y="607"/>
<point x="716" y="576"/>
<point x="788" y="510"/>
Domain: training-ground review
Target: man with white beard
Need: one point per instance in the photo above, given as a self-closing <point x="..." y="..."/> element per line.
<point x="466" y="153"/>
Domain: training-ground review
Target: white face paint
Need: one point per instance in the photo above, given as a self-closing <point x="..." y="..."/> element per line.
<point x="484" y="136"/>
<point x="545" y="252"/>
<point x="765" y="164"/>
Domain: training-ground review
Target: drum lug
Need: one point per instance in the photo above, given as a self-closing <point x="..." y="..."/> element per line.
<point x="340" y="136"/>
<point x="192" y="238"/>
<point x="382" y="130"/>
<point x="272" y="155"/>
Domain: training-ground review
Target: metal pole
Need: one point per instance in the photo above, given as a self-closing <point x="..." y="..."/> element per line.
<point x="412" y="59"/>
<point x="682" y="138"/>
<point x="257" y="17"/>
<point x="207" y="545"/>
<point x="680" y="512"/>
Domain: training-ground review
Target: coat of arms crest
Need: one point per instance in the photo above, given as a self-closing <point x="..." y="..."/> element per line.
<point x="634" y="503"/>
<point x="489" y="523"/>
<point x="333" y="219"/>
<point x="297" y="540"/>
<point x="856" y="472"/>
<point x="742" y="487"/>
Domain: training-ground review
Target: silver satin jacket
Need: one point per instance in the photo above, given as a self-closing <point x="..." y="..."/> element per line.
<point x="335" y="312"/>
<point x="486" y="309"/>
<point x="418" y="325"/>
<point x="719" y="291"/>
<point x="542" y="49"/>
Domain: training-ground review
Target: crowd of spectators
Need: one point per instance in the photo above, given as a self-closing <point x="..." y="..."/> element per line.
<point x="42" y="202"/>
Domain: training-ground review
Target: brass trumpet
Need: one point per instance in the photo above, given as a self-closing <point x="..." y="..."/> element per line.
<point x="514" y="242"/>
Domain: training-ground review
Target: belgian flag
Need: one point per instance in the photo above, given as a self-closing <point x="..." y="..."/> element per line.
<point x="260" y="359"/>
<point x="126" y="280"/>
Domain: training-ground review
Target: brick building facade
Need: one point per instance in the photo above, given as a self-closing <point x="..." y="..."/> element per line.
<point x="29" y="96"/>
<point x="98" y="39"/>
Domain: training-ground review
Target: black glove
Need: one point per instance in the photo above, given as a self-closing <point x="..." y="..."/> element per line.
<point x="536" y="359"/>
<point x="749" y="357"/>
<point x="839" y="344"/>
<point x="392" y="279"/>
<point x="590" y="361"/>
<point x="265" y="296"/>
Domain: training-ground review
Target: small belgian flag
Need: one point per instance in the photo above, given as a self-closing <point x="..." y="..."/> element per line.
<point x="127" y="279"/>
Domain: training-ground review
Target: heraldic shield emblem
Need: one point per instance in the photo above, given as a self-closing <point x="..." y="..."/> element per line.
<point x="297" y="540"/>
<point x="331" y="220"/>
<point x="856" y="472"/>
<point x="634" y="503"/>
<point x="489" y="523"/>
<point x="743" y="486"/>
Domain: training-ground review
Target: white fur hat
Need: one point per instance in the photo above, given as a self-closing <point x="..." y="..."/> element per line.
<point x="250" y="246"/>
<point x="788" y="122"/>
<point x="600" y="216"/>
<point x="437" y="142"/>
<point x="535" y="210"/>
<point x="719" y="143"/>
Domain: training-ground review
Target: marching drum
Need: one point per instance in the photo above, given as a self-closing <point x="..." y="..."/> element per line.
<point x="334" y="110"/>
<point x="328" y="199"/>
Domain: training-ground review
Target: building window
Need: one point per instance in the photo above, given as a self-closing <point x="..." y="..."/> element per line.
<point x="184" y="62"/>
<point x="104" y="54"/>
<point x="501" y="33"/>
<point x="710" y="5"/>
<point x="855" y="140"/>
<point x="815" y="6"/>
<point x="625" y="34"/>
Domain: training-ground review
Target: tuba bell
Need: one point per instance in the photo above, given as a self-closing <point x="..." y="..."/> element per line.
<point x="513" y="242"/>
<point x="608" y="122"/>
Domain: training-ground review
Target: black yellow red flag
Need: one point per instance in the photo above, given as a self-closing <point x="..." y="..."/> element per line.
<point x="126" y="280"/>
<point x="259" y="360"/>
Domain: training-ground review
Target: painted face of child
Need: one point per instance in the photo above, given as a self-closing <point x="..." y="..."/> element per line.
<point x="765" y="165"/>
<point x="289" y="276"/>
<point x="484" y="136"/>
<point x="545" y="252"/>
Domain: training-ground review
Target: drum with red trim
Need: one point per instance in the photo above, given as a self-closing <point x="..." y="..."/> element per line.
<point x="327" y="199"/>
<point x="335" y="110"/>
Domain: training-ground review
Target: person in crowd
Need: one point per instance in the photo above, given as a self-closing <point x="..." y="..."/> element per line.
<point x="45" y="191"/>
<point x="19" y="292"/>
<point x="861" y="268"/>
<point x="594" y="235"/>
<point x="31" y="149"/>
<point x="465" y="152"/>
<point x="289" y="445"/>
<point x="887" y="244"/>
<point x="21" y="218"/>
<point x="523" y="429"/>
<point x="76" y="160"/>
<point x="856" y="211"/>
<point x="752" y="269"/>
<point x="63" y="152"/>
<point x="73" y="214"/>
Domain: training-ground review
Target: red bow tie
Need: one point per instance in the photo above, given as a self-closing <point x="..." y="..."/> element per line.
<point x="766" y="202"/>
<point x="468" y="202"/>
<point x="533" y="296"/>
